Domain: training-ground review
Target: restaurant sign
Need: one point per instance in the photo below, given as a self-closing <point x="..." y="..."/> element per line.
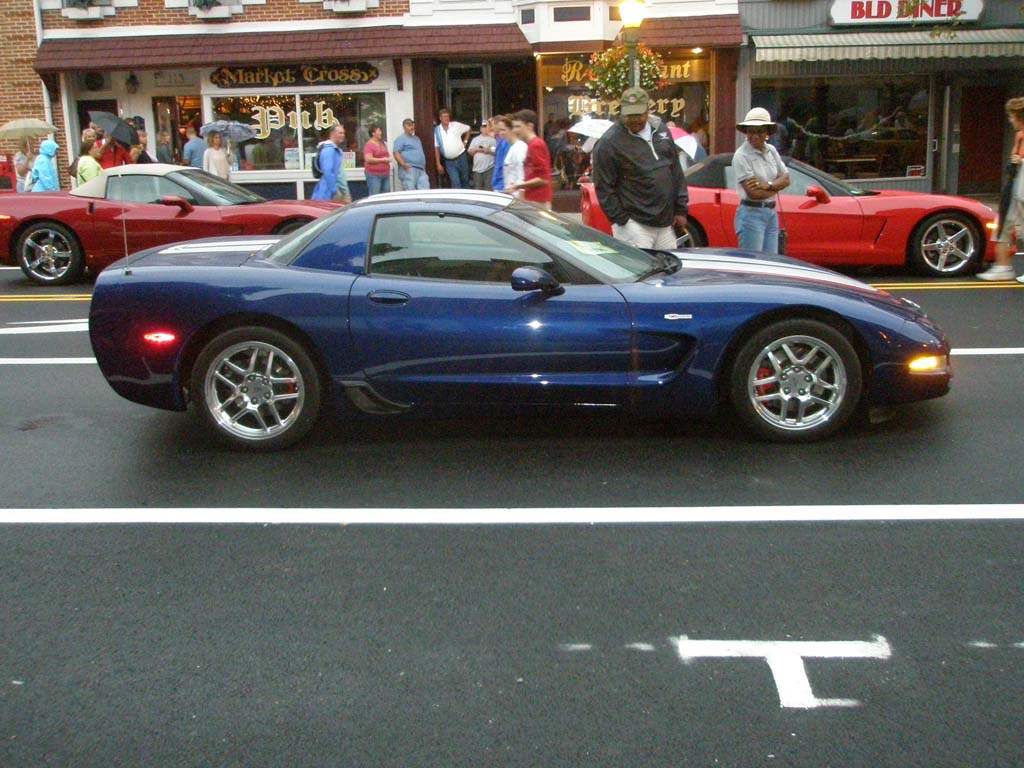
<point x="905" y="11"/>
<point x="293" y="75"/>
<point x="573" y="72"/>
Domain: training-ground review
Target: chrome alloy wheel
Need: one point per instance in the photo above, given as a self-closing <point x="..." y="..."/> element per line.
<point x="947" y="245"/>
<point x="797" y="383"/>
<point x="47" y="253"/>
<point x="254" y="390"/>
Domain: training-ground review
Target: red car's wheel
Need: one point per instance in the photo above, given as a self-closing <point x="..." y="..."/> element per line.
<point x="50" y="254"/>
<point x="946" y="245"/>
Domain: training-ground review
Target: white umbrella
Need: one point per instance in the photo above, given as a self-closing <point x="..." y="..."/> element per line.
<point x="688" y="144"/>
<point x="594" y="127"/>
<point x="25" y="128"/>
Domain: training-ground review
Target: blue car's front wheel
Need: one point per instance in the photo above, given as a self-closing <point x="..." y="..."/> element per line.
<point x="256" y="389"/>
<point x="796" y="381"/>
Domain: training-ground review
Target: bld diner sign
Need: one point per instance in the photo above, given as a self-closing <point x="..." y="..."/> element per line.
<point x="905" y="11"/>
<point x="286" y="76"/>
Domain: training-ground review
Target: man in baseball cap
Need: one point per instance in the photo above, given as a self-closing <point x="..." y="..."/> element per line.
<point x="638" y="178"/>
<point x="760" y="176"/>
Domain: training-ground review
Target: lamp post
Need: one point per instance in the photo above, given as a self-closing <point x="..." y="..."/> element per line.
<point x="632" y="13"/>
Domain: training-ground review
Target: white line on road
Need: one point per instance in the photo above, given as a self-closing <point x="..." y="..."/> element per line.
<point x="47" y="360"/>
<point x="46" y="322"/>
<point x="575" y="647"/>
<point x="62" y="326"/>
<point x="989" y="351"/>
<point x="786" y="660"/>
<point x="512" y="516"/>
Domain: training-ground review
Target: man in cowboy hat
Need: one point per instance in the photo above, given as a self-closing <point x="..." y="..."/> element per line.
<point x="760" y="176"/>
<point x="638" y="178"/>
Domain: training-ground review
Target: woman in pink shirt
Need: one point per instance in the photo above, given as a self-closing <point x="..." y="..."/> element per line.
<point x="377" y="162"/>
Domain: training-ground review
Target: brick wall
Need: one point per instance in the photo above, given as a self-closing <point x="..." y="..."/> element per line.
<point x="154" y="12"/>
<point x="22" y="92"/>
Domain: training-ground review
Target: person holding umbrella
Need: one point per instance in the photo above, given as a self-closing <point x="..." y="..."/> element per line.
<point x="23" y="130"/>
<point x="215" y="159"/>
<point x="23" y="163"/>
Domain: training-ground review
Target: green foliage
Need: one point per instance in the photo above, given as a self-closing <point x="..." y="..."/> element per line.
<point x="608" y="73"/>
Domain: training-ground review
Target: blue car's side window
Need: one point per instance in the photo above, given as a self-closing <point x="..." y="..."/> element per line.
<point x="447" y="247"/>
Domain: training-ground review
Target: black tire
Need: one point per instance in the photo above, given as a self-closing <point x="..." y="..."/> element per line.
<point x="946" y="245"/>
<point x="823" y="388"/>
<point x="232" y="395"/>
<point x="290" y="226"/>
<point x="693" y="237"/>
<point x="50" y="254"/>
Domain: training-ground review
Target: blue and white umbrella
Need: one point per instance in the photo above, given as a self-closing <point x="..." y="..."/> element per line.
<point x="230" y="130"/>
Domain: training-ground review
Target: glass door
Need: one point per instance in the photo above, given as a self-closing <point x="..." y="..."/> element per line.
<point x="467" y="93"/>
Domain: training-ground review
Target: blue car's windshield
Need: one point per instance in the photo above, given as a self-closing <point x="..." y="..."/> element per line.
<point x="597" y="254"/>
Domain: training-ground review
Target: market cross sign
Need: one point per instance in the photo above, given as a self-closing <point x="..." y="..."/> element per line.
<point x="294" y="75"/>
<point x="905" y="11"/>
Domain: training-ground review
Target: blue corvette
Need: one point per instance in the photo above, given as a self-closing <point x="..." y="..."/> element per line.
<point x="410" y="302"/>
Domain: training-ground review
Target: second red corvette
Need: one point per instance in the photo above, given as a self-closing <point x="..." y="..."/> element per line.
<point x="833" y="224"/>
<point x="54" y="236"/>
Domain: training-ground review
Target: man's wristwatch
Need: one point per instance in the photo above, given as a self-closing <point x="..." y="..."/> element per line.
<point x="771" y="187"/>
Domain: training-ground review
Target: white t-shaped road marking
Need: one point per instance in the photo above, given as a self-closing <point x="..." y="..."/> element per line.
<point x="786" y="660"/>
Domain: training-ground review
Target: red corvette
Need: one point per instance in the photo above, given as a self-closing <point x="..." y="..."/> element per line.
<point x="54" y="236"/>
<point x="830" y="223"/>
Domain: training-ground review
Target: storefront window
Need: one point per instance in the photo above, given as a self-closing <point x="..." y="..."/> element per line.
<point x="288" y="127"/>
<point x="684" y="101"/>
<point x="854" y="128"/>
<point x="356" y="111"/>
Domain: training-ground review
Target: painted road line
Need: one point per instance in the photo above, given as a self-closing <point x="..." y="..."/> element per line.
<point x="76" y="326"/>
<point x="786" y="660"/>
<point x="47" y="360"/>
<point x="46" y="322"/>
<point x="886" y="513"/>
<point x="988" y="351"/>
<point x="21" y="298"/>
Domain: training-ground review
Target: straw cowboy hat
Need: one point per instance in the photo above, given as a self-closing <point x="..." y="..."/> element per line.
<point x="758" y="117"/>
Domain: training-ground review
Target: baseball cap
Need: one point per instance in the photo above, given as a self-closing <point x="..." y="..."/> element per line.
<point x="634" y="102"/>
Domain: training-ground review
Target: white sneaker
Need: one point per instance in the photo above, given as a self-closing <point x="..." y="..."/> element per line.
<point x="996" y="272"/>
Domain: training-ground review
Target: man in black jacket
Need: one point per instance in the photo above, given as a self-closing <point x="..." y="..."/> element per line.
<point x="638" y="177"/>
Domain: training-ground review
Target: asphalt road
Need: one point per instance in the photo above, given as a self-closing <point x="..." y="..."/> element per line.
<point x="509" y="645"/>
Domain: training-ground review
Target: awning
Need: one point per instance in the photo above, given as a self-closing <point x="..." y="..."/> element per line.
<point x="721" y="31"/>
<point x="287" y="47"/>
<point x="915" y="44"/>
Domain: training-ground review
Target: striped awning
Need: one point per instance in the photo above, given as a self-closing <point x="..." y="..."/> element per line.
<point x="914" y="44"/>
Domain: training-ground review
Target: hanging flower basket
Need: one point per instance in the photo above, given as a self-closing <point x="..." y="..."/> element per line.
<point x="608" y="73"/>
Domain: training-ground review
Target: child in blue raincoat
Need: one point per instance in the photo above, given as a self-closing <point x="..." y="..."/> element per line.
<point x="44" y="169"/>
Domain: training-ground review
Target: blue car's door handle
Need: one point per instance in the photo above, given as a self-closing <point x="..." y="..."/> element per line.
<point x="388" y="297"/>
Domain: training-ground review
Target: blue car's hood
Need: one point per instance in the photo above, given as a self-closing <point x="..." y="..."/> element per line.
<point x="210" y="251"/>
<point x="722" y="264"/>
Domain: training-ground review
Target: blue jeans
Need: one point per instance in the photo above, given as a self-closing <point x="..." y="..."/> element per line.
<point x="377" y="184"/>
<point x="458" y="171"/>
<point x="414" y="178"/>
<point x="757" y="229"/>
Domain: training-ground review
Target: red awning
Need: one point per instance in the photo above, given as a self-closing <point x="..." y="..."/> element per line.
<point x="251" y="48"/>
<point x="723" y="31"/>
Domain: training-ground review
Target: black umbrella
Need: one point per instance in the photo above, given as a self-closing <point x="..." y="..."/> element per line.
<point x="115" y="128"/>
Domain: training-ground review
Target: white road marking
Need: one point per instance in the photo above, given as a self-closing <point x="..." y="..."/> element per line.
<point x="47" y="360"/>
<point x="989" y="351"/>
<point x="786" y="660"/>
<point x="886" y="513"/>
<point x="646" y="647"/>
<point x="981" y="644"/>
<point x="575" y="647"/>
<point x="47" y="322"/>
<point x="59" y="327"/>
<point x="10" y="267"/>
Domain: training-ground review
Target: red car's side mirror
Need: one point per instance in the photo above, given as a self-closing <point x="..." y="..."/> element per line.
<point x="819" y="194"/>
<point x="181" y="202"/>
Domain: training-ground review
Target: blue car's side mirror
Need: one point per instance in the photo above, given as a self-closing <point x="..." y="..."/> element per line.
<point x="534" y="279"/>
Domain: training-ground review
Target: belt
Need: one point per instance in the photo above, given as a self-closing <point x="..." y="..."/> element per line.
<point x="758" y="203"/>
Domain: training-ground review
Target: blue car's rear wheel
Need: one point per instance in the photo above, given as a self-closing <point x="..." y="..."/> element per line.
<point x="255" y="388"/>
<point x="796" y="381"/>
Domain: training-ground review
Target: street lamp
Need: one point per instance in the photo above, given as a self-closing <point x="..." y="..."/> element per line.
<point x="632" y="14"/>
